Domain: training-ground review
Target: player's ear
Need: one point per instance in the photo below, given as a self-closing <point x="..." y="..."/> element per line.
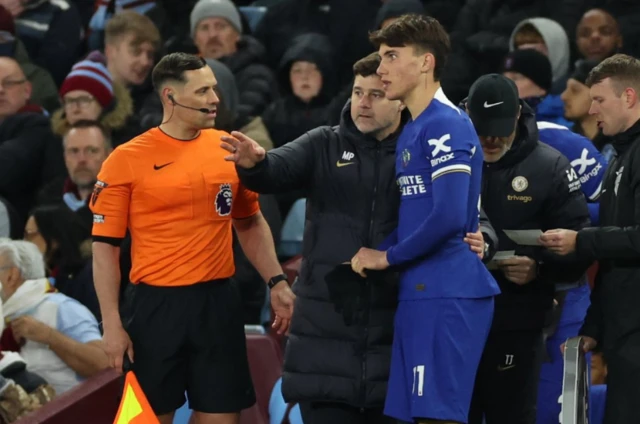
<point x="428" y="62"/>
<point x="631" y="97"/>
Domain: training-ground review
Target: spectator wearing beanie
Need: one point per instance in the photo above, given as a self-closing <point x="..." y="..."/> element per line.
<point x="44" y="92"/>
<point x="531" y="71"/>
<point x="216" y="29"/>
<point x="89" y="93"/>
<point x="548" y="37"/>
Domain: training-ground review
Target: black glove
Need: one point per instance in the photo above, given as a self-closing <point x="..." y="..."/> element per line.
<point x="346" y="292"/>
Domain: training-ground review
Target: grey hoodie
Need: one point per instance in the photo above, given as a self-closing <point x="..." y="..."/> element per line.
<point x="556" y="40"/>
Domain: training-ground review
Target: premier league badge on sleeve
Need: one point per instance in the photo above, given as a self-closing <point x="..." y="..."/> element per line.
<point x="223" y="200"/>
<point x="406" y="157"/>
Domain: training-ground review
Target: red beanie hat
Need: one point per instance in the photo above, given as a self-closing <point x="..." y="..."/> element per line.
<point x="90" y="75"/>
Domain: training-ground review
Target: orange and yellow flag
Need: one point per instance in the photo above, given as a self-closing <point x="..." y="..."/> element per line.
<point x="134" y="407"/>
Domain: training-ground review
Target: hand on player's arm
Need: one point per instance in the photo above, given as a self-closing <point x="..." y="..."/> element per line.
<point x="244" y="151"/>
<point x="520" y="270"/>
<point x="256" y="241"/>
<point x="476" y="243"/>
<point x="372" y="259"/>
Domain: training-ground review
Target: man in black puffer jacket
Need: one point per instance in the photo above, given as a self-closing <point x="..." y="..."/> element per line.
<point x="338" y="354"/>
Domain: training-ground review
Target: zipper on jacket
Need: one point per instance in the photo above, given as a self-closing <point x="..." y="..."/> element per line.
<point x="376" y="172"/>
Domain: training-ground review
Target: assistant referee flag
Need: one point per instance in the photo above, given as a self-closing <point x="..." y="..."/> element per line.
<point x="134" y="407"/>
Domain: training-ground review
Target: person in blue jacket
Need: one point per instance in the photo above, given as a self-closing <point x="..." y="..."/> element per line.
<point x="589" y="167"/>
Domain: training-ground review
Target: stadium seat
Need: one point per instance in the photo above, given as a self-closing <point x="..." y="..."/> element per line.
<point x="94" y="401"/>
<point x="293" y="230"/>
<point x="254" y="15"/>
<point x="265" y="361"/>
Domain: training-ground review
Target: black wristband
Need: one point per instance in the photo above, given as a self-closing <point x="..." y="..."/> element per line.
<point x="275" y="280"/>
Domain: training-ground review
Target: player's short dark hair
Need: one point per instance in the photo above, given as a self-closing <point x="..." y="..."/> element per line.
<point x="423" y="33"/>
<point x="367" y="66"/>
<point x="173" y="66"/>
<point x="88" y="123"/>
<point x="624" y="71"/>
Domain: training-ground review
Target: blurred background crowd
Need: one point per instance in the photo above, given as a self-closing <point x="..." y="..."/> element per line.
<point x="75" y="83"/>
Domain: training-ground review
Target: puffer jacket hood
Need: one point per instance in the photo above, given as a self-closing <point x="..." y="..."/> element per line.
<point x="314" y="48"/>
<point x="556" y="41"/>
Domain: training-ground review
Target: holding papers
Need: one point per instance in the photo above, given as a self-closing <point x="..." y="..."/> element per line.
<point x="524" y="237"/>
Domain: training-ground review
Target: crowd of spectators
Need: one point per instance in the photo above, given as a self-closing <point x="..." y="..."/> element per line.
<point x="75" y="84"/>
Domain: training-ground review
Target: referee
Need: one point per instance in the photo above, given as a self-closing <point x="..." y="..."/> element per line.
<point x="178" y="197"/>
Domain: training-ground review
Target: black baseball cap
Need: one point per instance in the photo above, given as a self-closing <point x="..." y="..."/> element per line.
<point x="493" y="105"/>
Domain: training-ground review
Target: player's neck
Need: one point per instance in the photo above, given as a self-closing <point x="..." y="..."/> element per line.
<point x="421" y="96"/>
<point x="634" y="116"/>
<point x="179" y="130"/>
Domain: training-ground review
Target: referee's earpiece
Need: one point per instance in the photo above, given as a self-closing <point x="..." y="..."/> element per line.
<point x="170" y="97"/>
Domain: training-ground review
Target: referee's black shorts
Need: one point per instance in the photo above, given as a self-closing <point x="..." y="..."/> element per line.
<point x="191" y="338"/>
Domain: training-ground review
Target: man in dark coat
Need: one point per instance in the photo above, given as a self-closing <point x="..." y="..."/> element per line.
<point x="338" y="354"/>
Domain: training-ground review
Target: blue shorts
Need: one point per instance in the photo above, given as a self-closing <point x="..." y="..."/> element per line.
<point x="437" y="347"/>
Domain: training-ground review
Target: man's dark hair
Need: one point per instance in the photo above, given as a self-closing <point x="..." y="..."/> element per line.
<point x="367" y="66"/>
<point x="623" y="70"/>
<point x="87" y="123"/>
<point x="423" y="33"/>
<point x="173" y="66"/>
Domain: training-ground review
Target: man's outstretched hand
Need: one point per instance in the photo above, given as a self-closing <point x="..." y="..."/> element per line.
<point x="561" y="242"/>
<point x="244" y="151"/>
<point x="282" y="299"/>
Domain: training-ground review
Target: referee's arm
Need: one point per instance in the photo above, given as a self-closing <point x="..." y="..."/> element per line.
<point x="256" y="240"/>
<point x="257" y="244"/>
<point x="110" y="206"/>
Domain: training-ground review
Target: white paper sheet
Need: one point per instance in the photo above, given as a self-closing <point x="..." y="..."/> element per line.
<point x="524" y="237"/>
<point x="500" y="256"/>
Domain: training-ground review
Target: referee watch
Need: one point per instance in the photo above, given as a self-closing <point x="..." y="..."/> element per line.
<point x="275" y="280"/>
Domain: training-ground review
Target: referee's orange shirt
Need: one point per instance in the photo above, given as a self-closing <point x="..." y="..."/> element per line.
<point x="177" y="198"/>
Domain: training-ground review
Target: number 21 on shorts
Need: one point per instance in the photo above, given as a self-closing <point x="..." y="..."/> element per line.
<point x="418" y="371"/>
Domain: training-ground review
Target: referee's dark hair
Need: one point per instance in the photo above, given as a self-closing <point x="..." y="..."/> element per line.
<point x="173" y="66"/>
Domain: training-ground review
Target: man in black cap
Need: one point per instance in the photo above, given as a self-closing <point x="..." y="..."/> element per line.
<point x="527" y="185"/>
